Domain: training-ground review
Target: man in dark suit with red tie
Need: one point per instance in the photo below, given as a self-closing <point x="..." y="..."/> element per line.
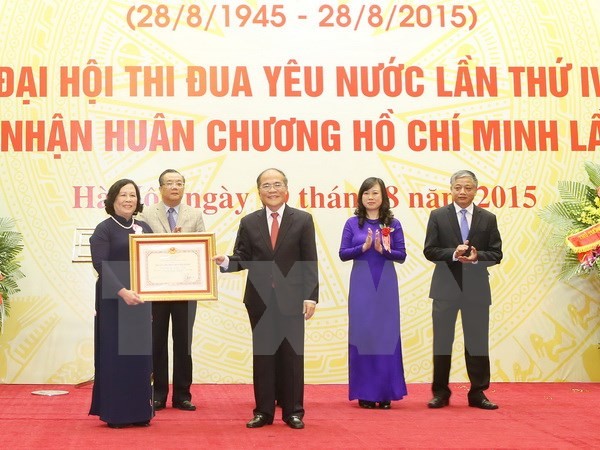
<point x="463" y="241"/>
<point x="277" y="246"/>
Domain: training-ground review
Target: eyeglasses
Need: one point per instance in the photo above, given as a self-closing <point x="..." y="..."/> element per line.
<point x="171" y="184"/>
<point x="277" y="186"/>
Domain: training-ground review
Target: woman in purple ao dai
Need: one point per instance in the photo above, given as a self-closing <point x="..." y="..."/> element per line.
<point x="374" y="240"/>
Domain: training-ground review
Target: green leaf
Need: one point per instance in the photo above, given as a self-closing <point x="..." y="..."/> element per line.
<point x="561" y="212"/>
<point x="6" y="224"/>
<point x="11" y="244"/>
<point x="571" y="267"/>
<point x="575" y="192"/>
<point x="593" y="171"/>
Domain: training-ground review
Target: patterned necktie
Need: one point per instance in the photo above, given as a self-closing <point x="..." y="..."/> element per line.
<point x="464" y="225"/>
<point x="171" y="218"/>
<point x="274" y="229"/>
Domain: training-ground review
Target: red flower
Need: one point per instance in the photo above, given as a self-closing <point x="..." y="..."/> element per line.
<point x="385" y="237"/>
<point x="385" y="231"/>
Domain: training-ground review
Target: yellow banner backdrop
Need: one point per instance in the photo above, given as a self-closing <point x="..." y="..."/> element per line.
<point x="331" y="93"/>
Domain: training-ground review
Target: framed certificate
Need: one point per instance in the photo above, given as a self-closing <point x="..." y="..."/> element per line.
<point x="173" y="266"/>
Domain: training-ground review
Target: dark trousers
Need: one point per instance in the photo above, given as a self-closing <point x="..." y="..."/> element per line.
<point x="278" y="361"/>
<point x="475" y="323"/>
<point x="181" y="314"/>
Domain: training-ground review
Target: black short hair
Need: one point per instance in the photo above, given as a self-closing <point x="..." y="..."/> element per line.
<point x="160" y="177"/>
<point x="113" y="191"/>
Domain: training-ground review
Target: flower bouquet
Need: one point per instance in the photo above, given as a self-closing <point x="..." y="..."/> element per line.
<point x="11" y="244"/>
<point x="576" y="222"/>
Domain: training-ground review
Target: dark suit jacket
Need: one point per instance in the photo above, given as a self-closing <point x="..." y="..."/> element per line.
<point x="290" y="270"/>
<point x="453" y="280"/>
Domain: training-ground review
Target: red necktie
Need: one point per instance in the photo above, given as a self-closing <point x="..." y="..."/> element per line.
<point x="274" y="229"/>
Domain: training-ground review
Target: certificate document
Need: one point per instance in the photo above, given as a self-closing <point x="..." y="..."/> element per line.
<point x="173" y="266"/>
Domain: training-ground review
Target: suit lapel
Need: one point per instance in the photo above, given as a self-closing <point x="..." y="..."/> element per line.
<point x="182" y="217"/>
<point x="263" y="226"/>
<point x="453" y="219"/>
<point x="162" y="217"/>
<point x="286" y="223"/>
<point x="475" y="221"/>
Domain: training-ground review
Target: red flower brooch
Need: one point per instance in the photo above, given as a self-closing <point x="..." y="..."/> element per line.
<point x="385" y="237"/>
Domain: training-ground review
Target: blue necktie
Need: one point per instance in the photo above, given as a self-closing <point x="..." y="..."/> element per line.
<point x="464" y="225"/>
<point x="171" y="218"/>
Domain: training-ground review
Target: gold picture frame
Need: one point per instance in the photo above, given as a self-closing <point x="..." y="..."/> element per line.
<point x="81" y="245"/>
<point x="173" y="266"/>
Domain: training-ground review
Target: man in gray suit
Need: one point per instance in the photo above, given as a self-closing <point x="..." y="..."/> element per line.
<point x="172" y="216"/>
<point x="463" y="241"/>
